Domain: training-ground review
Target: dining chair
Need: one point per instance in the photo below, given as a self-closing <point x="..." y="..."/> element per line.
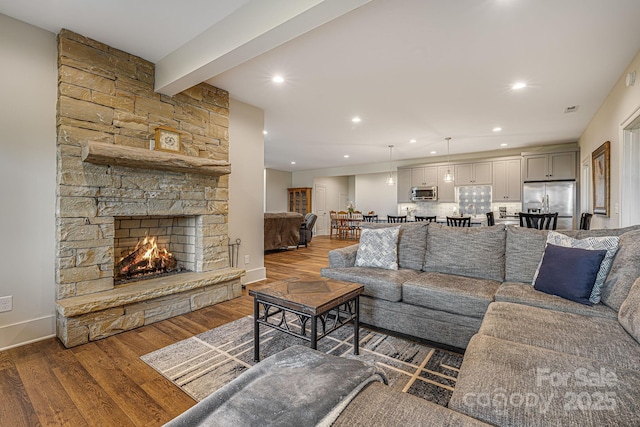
<point x="585" y="221"/>
<point x="393" y="218"/>
<point x="355" y="219"/>
<point x="333" y="216"/>
<point x="541" y="221"/>
<point x="491" y="220"/>
<point x="370" y="218"/>
<point x="459" y="221"/>
<point x="343" y="224"/>
<point x="426" y="218"/>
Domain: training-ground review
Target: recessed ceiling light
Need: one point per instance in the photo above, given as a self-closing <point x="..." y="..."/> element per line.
<point x="277" y="79"/>
<point x="412" y="141"/>
<point x="433" y="152"/>
<point x="356" y="119"/>
<point x="293" y="163"/>
<point x="264" y="132"/>
<point x="346" y="156"/>
<point x="497" y="129"/>
<point x="504" y="144"/>
<point x="518" y="85"/>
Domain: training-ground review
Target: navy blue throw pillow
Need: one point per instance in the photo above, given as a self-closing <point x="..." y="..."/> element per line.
<point x="569" y="272"/>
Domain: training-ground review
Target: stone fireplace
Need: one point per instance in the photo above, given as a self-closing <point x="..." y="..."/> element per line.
<point x="113" y="190"/>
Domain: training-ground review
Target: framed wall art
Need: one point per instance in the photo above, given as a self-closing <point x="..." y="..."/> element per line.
<point x="167" y="139"/>
<point x="600" y="171"/>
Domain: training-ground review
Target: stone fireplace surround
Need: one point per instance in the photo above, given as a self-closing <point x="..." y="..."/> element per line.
<point x="107" y="113"/>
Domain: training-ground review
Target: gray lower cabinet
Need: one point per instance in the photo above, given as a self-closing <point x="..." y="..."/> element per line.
<point x="507" y="181"/>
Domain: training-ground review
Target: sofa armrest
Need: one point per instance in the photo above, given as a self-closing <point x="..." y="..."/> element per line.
<point x="343" y="257"/>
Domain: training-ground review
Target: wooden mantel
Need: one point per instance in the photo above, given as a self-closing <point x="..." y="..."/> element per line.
<point x="101" y="153"/>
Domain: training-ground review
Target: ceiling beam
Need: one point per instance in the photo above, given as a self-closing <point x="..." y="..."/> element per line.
<point x="253" y="29"/>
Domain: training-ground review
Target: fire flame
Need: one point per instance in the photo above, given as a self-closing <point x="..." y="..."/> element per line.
<point x="146" y="257"/>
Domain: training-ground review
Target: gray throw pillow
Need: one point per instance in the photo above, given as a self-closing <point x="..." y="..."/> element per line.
<point x="378" y="248"/>
<point x="608" y="243"/>
<point x="629" y="314"/>
<point x="624" y="271"/>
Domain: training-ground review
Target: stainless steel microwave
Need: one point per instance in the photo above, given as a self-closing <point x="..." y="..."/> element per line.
<point x="424" y="193"/>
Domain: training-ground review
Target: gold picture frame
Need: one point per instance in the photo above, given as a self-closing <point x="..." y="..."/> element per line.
<point x="600" y="172"/>
<point x="167" y="139"/>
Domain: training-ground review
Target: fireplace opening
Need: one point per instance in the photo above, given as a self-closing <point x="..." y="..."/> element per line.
<point x="152" y="246"/>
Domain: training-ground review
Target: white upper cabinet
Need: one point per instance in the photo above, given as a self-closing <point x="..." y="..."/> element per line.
<point x="473" y="173"/>
<point x="507" y="181"/>
<point x="551" y="166"/>
<point x="404" y="185"/>
<point x="426" y="176"/>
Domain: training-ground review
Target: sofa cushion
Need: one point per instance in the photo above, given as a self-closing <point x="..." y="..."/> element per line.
<point x="608" y="243"/>
<point x="447" y="292"/>
<point x="586" y="336"/>
<point x="412" y="242"/>
<point x="466" y="251"/>
<point x="378" y="248"/>
<point x="512" y="384"/>
<point x="524" y="293"/>
<point x="524" y="249"/>
<point x="568" y="272"/>
<point x="378" y="282"/>
<point x="629" y="314"/>
<point x="624" y="270"/>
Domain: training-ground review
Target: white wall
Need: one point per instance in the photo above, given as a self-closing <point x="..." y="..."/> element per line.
<point x="246" y="186"/>
<point x="276" y="194"/>
<point x="372" y="194"/>
<point x="27" y="181"/>
<point x="621" y="103"/>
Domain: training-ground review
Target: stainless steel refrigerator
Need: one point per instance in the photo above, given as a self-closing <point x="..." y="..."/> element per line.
<point x="560" y="196"/>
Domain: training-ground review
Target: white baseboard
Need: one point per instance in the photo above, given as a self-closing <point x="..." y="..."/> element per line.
<point x="254" y="275"/>
<point x="27" y="332"/>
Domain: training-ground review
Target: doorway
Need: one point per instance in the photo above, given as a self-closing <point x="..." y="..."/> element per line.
<point x="630" y="178"/>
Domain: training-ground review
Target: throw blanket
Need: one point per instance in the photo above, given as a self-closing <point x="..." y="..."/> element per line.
<point x="295" y="387"/>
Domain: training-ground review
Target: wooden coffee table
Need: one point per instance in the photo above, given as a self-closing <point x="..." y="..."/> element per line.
<point x="332" y="302"/>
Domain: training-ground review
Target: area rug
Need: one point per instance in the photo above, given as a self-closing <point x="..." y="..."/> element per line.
<point x="202" y="364"/>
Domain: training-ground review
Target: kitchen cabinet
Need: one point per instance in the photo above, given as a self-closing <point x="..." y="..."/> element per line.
<point x="426" y="176"/>
<point x="404" y="185"/>
<point x="550" y="166"/>
<point x="507" y="181"/>
<point x="300" y="200"/>
<point x="446" y="191"/>
<point x="473" y="173"/>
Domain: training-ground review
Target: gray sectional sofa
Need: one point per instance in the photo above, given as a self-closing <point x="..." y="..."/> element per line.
<point x="531" y="359"/>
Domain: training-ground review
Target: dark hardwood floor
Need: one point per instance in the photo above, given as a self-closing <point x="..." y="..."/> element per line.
<point x="104" y="383"/>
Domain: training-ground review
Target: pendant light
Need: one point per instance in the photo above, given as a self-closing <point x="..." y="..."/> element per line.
<point x="448" y="177"/>
<point x="390" y="179"/>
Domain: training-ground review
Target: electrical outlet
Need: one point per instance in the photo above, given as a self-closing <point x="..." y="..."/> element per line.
<point x="6" y="303"/>
<point x="247" y="259"/>
<point x="616" y="208"/>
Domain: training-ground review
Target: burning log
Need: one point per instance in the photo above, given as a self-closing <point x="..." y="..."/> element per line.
<point x="146" y="258"/>
<point x="133" y="259"/>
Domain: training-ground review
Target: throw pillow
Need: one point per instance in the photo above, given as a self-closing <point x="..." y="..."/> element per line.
<point x="378" y="248"/>
<point x="569" y="272"/>
<point x="608" y="243"/>
<point x="629" y="314"/>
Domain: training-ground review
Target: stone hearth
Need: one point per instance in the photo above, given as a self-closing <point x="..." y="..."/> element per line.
<point x="107" y="176"/>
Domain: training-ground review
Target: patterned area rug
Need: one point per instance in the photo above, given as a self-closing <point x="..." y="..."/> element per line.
<point x="202" y="364"/>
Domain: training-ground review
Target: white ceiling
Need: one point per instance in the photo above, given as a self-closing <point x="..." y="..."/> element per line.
<point x="411" y="69"/>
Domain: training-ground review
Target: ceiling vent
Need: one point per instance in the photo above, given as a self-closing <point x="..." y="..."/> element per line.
<point x="571" y="109"/>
